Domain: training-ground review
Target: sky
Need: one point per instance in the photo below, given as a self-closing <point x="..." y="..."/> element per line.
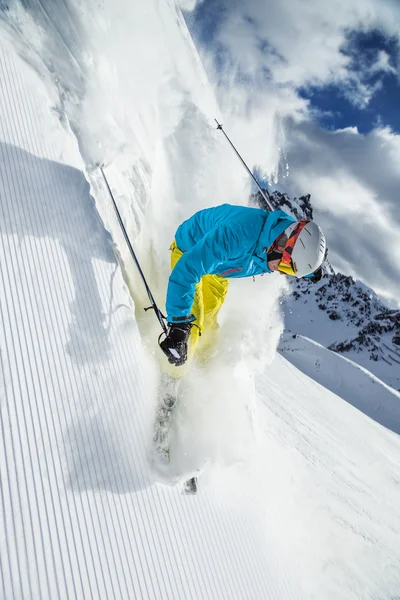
<point x="310" y="93"/>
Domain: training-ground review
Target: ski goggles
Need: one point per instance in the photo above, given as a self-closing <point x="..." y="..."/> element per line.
<point x="285" y="244"/>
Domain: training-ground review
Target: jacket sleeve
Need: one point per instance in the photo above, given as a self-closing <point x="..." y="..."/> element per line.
<point x="217" y="246"/>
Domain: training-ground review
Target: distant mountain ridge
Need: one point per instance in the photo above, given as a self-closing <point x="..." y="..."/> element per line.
<point x="344" y="315"/>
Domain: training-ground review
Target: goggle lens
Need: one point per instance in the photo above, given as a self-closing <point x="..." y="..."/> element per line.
<point x="287" y="269"/>
<point x="286" y="265"/>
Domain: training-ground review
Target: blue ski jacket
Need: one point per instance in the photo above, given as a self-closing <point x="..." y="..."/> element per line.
<point x="227" y="240"/>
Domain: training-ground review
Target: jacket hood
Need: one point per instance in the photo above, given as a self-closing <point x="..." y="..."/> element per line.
<point x="275" y="224"/>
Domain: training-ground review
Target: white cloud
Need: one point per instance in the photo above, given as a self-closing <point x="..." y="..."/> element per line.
<point x="268" y="51"/>
<point x="382" y="64"/>
<point x="354" y="182"/>
<point x="300" y="44"/>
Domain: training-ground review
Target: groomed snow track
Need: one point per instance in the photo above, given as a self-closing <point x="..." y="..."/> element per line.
<point x="79" y="515"/>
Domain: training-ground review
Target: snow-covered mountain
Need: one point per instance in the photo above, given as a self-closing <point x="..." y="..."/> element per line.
<point x="340" y="313"/>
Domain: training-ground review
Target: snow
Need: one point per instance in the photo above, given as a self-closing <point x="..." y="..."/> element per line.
<point x="304" y="316"/>
<point x="345" y="378"/>
<point x="337" y="475"/>
<point x="297" y="488"/>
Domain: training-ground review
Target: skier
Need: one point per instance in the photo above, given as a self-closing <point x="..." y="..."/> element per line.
<point x="227" y="241"/>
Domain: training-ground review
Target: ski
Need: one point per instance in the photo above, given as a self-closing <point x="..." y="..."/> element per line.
<point x="167" y="398"/>
<point x="168" y="393"/>
<point x="190" y="486"/>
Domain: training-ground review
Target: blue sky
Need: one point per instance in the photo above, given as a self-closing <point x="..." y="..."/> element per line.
<point x="331" y="103"/>
<point x="337" y="112"/>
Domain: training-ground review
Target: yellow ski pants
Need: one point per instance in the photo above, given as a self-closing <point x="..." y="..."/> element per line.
<point x="209" y="297"/>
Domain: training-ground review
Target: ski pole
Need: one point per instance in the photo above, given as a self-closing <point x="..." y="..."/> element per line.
<point x="267" y="200"/>
<point x="154" y="306"/>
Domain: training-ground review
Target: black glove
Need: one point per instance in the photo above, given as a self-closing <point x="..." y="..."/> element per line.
<point x="175" y="344"/>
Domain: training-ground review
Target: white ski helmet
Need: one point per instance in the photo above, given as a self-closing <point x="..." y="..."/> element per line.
<point x="309" y="249"/>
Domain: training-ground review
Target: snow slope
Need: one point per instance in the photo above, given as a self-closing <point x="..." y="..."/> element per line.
<point x="348" y="317"/>
<point x="297" y="488"/>
<point x="81" y="516"/>
<point x="345" y="378"/>
<point x="330" y="477"/>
